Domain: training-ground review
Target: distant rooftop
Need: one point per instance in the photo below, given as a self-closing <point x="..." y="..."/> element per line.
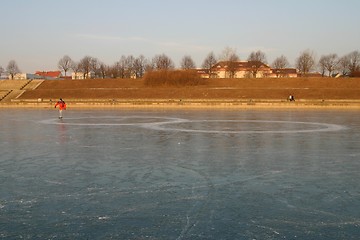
<point x="51" y="74"/>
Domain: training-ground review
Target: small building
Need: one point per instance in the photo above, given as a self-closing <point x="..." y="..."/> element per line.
<point x="203" y="73"/>
<point x="246" y="69"/>
<point x="25" y="76"/>
<point x="4" y="75"/>
<point x="81" y="75"/>
<point x="49" y="75"/>
<point x="283" y="72"/>
<point x="240" y="69"/>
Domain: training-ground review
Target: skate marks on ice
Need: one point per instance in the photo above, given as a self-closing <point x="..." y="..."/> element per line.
<point x="219" y="126"/>
<point x="104" y="121"/>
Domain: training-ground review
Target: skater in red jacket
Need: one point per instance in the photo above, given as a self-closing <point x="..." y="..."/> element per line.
<point x="62" y="106"/>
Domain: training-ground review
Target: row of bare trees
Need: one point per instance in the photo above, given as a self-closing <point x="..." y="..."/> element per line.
<point x="328" y="64"/>
<point x="11" y="69"/>
<point x="130" y="66"/>
<point x="231" y="58"/>
<point x="126" y="67"/>
<point x="346" y="65"/>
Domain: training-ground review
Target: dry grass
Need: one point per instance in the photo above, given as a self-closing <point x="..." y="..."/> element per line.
<point x="266" y="88"/>
<point x="179" y="78"/>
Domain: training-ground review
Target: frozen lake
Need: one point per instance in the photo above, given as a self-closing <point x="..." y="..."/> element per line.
<point x="179" y="174"/>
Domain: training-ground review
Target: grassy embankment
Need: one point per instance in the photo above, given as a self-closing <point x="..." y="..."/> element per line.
<point x="269" y="90"/>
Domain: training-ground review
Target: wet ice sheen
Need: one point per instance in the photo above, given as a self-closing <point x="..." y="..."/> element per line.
<point x="207" y="126"/>
<point x="180" y="174"/>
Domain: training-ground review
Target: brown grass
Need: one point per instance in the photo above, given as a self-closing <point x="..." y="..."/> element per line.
<point x="179" y="78"/>
<point x="265" y="88"/>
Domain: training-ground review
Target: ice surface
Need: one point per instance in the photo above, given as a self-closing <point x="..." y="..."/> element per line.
<point x="179" y="174"/>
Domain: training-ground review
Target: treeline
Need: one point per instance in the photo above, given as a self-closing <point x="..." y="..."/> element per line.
<point x="126" y="67"/>
<point x="136" y="67"/>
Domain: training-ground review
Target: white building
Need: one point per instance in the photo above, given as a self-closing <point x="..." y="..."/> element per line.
<point x="81" y="75"/>
<point x="25" y="76"/>
<point x="245" y="69"/>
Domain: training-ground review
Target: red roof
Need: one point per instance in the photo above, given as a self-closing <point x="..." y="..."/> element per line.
<point x="52" y="74"/>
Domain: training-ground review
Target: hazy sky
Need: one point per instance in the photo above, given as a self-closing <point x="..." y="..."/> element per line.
<point x="37" y="33"/>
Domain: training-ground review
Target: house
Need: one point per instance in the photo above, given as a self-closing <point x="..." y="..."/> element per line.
<point x="283" y="72"/>
<point x="202" y="72"/>
<point x="81" y="75"/>
<point x="240" y="69"/>
<point x="4" y="75"/>
<point x="25" y="76"/>
<point x="49" y="75"/>
<point x="246" y="69"/>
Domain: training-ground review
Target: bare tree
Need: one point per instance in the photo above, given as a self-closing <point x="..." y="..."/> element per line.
<point x="140" y="66"/>
<point x="64" y="64"/>
<point x="149" y="66"/>
<point x="123" y="67"/>
<point x="129" y="66"/>
<point x="95" y="67"/>
<point x="231" y="58"/>
<point x="113" y="71"/>
<point x="162" y="62"/>
<point x="354" y="61"/>
<point x="332" y="63"/>
<point x="85" y="66"/>
<point x="227" y="54"/>
<point x="12" y="68"/>
<point x="102" y="70"/>
<point x="328" y="63"/>
<point x="232" y="65"/>
<point x="208" y="63"/>
<point x="120" y="67"/>
<point x="256" y="59"/>
<point x="76" y="67"/>
<point x="1" y="70"/>
<point x="187" y="63"/>
<point x="321" y="64"/>
<point x="280" y="63"/>
<point x="305" y="62"/>
<point x="343" y="65"/>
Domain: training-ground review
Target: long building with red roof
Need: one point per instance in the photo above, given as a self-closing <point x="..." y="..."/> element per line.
<point x="49" y="74"/>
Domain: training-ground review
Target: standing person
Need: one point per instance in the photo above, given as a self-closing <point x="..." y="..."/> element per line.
<point x="62" y="106"/>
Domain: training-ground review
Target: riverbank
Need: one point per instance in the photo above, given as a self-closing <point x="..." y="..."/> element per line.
<point x="210" y="93"/>
<point x="193" y="103"/>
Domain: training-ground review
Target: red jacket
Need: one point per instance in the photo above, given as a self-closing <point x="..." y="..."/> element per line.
<point x="61" y="104"/>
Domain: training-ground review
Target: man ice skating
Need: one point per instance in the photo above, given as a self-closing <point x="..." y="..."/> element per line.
<point x="62" y="106"/>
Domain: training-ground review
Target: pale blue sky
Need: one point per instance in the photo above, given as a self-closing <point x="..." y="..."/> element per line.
<point x="37" y="33"/>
